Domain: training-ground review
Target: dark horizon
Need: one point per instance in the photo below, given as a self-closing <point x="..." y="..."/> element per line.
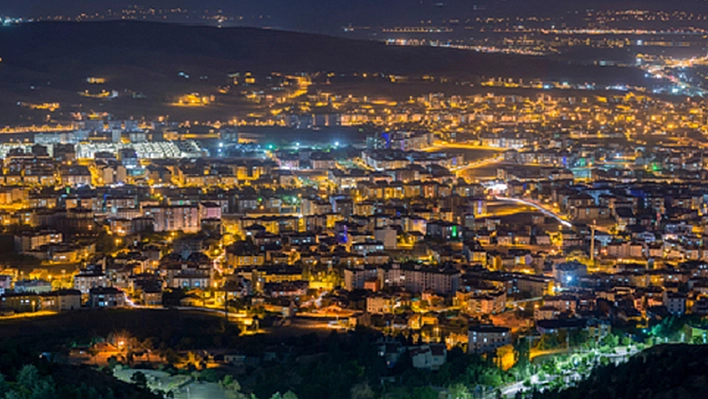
<point x="320" y="16"/>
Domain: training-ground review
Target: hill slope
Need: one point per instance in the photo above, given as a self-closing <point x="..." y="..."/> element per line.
<point x="73" y="47"/>
<point x="49" y="61"/>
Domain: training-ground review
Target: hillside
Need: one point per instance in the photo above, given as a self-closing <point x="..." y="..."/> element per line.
<point x="49" y="61"/>
<point x="84" y="47"/>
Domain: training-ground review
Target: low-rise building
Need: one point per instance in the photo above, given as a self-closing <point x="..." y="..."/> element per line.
<point x="428" y="357"/>
<point x="61" y="300"/>
<point x="485" y="338"/>
<point x="106" y="297"/>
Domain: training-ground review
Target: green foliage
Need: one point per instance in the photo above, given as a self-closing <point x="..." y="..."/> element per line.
<point x="286" y="395"/>
<point x="62" y="382"/>
<point x="230" y="383"/>
<point x="30" y="385"/>
<point x="578" y="338"/>
<point x="312" y="368"/>
<point x="4" y="387"/>
<point x="425" y="392"/>
<point x="362" y="390"/>
<point x="549" y="341"/>
<point x="542" y="375"/>
<point x="671" y="327"/>
<point x="209" y="375"/>
<point x="676" y="371"/>
<point x="139" y="379"/>
<point x="610" y="340"/>
<point x="459" y="391"/>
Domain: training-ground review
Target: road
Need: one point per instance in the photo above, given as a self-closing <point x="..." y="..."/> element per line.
<point x="516" y="302"/>
<point x="441" y="146"/>
<point x="511" y="390"/>
<point x="538" y="206"/>
<point x="479" y="163"/>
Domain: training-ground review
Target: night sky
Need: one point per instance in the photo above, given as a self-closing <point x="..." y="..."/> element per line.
<point x="325" y="15"/>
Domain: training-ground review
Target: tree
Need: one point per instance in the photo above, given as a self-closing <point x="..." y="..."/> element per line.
<point x="458" y="391"/>
<point x="541" y="376"/>
<point x="649" y="341"/>
<point x="361" y="390"/>
<point x="491" y="377"/>
<point x="31" y="385"/>
<point x="289" y="395"/>
<point x="28" y="376"/>
<point x="208" y="375"/>
<point x="3" y="386"/>
<point x="232" y="387"/>
<point x="113" y="362"/>
<point x="610" y="340"/>
<point x="93" y="352"/>
<point x="139" y="379"/>
<point x="626" y="340"/>
<point x="229" y="382"/>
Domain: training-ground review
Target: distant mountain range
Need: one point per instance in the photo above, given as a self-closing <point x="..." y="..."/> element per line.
<point x="50" y="61"/>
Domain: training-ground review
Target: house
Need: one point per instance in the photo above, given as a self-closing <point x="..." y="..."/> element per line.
<point x="564" y="303"/>
<point x="485" y="338"/>
<point x="189" y="279"/>
<point x="234" y="359"/>
<point x="391" y="350"/>
<point x="598" y="330"/>
<point x="5" y="283"/>
<point x="19" y="302"/>
<point x="36" y="286"/>
<point x="546" y="313"/>
<point x="150" y="293"/>
<point x="675" y="302"/>
<point x="428" y="357"/>
<point x="90" y="278"/>
<point x="29" y="241"/>
<point x="106" y="297"/>
<point x="380" y="304"/>
<point x="61" y="300"/>
<point x="490" y="303"/>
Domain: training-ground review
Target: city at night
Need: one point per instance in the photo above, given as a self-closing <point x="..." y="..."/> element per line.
<point x="362" y="199"/>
